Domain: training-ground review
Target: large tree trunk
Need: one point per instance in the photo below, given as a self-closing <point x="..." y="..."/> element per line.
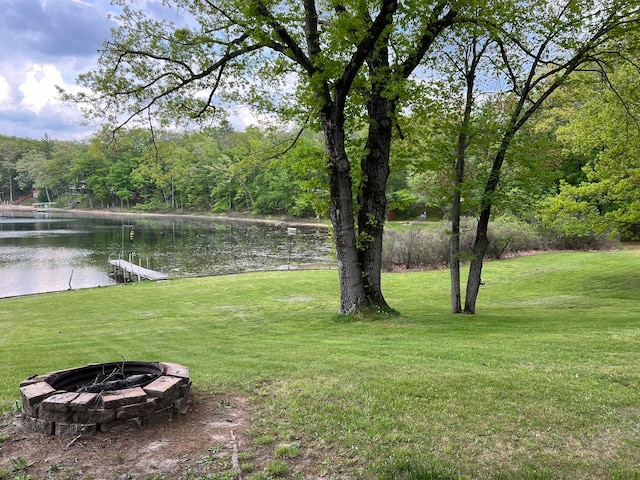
<point x="360" y="253"/>
<point x="352" y="289"/>
<point x="372" y="211"/>
<point x="372" y="198"/>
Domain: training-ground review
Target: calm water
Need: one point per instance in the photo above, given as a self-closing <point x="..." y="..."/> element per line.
<point x="57" y="251"/>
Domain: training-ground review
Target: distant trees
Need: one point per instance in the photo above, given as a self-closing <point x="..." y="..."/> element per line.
<point x="217" y="169"/>
<point x="28" y="163"/>
<point x="11" y="150"/>
<point x="601" y="125"/>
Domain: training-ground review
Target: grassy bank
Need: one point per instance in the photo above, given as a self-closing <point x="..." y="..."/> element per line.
<point x="542" y="383"/>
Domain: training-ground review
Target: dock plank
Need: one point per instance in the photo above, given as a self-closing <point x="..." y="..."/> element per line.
<point x="138" y="271"/>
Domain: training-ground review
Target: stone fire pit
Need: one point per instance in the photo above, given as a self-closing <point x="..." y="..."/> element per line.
<point x="104" y="397"/>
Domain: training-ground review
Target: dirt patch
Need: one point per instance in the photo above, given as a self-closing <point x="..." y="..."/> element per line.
<point x="210" y="438"/>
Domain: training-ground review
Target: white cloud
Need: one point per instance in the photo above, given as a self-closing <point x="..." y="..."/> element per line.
<point x="30" y="104"/>
<point x="5" y="93"/>
<point x="39" y="87"/>
<point x="244" y="117"/>
<point x="47" y="43"/>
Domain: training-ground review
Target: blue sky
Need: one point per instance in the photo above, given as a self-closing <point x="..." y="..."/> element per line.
<point x="44" y="43"/>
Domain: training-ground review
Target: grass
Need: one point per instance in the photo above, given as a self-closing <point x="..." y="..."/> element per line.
<point x="541" y="384"/>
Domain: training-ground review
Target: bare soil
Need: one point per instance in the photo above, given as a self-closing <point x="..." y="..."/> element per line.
<point x="211" y="438"/>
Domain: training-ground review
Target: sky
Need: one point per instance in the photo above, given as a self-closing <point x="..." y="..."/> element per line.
<point x="44" y="43"/>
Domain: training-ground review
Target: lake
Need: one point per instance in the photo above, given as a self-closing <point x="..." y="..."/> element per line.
<point x="53" y="251"/>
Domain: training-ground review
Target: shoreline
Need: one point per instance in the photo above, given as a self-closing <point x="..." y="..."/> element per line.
<point x="199" y="220"/>
<point x="195" y="216"/>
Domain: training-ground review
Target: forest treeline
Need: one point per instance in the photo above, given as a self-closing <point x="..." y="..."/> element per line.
<point x="574" y="168"/>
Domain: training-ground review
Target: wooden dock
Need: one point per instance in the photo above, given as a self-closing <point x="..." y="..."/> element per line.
<point x="124" y="272"/>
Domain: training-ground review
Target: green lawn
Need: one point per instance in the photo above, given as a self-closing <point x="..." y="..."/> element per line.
<point x="542" y="383"/>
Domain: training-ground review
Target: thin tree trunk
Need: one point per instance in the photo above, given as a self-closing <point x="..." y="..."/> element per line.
<point x="246" y="189"/>
<point x="518" y="118"/>
<point x="454" y="260"/>
<point x="454" y="241"/>
<point x="10" y="186"/>
<point x="474" y="281"/>
<point x="477" y="52"/>
<point x="173" y="193"/>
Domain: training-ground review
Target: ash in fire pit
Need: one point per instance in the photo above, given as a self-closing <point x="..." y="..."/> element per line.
<point x="116" y="381"/>
<point x="103" y="397"/>
<point x="105" y="377"/>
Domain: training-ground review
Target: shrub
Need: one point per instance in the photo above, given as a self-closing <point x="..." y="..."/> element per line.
<point x="508" y="235"/>
<point x="414" y="249"/>
<point x="420" y="248"/>
<point x="558" y="240"/>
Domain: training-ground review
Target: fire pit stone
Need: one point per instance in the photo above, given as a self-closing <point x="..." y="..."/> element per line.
<point x="133" y="394"/>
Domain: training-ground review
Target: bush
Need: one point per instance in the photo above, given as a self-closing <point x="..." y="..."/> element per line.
<point x="556" y="240"/>
<point x="508" y="235"/>
<point x="153" y="205"/>
<point x="420" y="248"/>
<point x="414" y="249"/>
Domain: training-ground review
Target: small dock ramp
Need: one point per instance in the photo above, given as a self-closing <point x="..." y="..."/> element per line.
<point x="124" y="272"/>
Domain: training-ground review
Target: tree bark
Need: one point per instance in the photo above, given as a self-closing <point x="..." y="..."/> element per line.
<point x="352" y="290"/>
<point x="456" y="207"/>
<point x="10" y="186"/>
<point x="474" y="280"/>
<point x="454" y="247"/>
<point x="372" y="197"/>
<point x="461" y="150"/>
<point x="518" y="118"/>
<point x="372" y="210"/>
<point x="381" y="108"/>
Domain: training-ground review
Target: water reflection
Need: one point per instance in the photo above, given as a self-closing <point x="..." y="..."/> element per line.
<point x="41" y="253"/>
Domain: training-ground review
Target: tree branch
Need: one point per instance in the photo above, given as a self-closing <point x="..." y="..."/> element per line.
<point x="292" y="50"/>
<point x="363" y="50"/>
<point x="432" y="30"/>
